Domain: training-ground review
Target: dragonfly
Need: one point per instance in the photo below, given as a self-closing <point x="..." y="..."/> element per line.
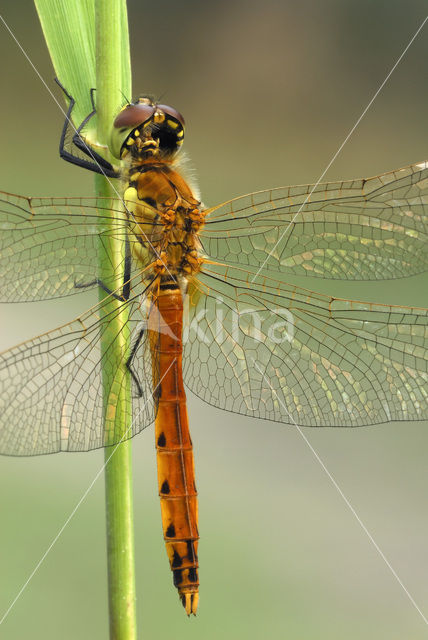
<point x="199" y="299"/>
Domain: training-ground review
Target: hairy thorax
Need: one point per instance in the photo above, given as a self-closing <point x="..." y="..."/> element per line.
<point x="165" y="216"/>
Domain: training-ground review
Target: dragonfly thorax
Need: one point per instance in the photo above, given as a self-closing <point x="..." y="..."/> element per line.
<point x="166" y="217"/>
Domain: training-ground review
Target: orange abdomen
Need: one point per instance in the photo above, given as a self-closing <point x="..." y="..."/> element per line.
<point x="176" y="476"/>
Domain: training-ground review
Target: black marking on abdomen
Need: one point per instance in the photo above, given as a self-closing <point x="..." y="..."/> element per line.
<point x="171" y="286"/>
<point x="177" y="576"/>
<point x="170" y="532"/>
<point x="165" y="487"/>
<point x="177" y="560"/>
<point x="193" y="576"/>
<point x="190" y="550"/>
<point x="161" y="440"/>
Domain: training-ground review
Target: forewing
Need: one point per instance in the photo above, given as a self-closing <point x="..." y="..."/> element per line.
<point x="52" y="392"/>
<point x="49" y="246"/>
<point x="283" y="353"/>
<point x="370" y="229"/>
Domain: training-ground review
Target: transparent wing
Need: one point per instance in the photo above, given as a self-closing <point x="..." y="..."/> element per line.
<point x="283" y="353"/>
<point x="49" y="246"/>
<point x="52" y="396"/>
<point x="370" y="229"/>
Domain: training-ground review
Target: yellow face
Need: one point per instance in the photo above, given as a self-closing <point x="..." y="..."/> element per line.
<point x="145" y="129"/>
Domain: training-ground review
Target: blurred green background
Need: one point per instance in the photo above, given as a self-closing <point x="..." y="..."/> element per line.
<point x="269" y="92"/>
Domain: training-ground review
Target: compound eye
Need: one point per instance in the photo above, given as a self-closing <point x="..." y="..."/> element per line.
<point x="134" y="115"/>
<point x="170" y="111"/>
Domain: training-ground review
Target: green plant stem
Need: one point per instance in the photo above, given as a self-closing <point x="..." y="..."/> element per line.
<point x="116" y="380"/>
<point x="120" y="544"/>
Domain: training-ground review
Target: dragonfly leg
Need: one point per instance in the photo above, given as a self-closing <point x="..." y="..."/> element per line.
<point x="128" y="363"/>
<point x="97" y="163"/>
<point x="126" y="286"/>
<point x="100" y="283"/>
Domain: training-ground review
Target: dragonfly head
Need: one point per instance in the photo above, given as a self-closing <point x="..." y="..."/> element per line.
<point x="145" y="129"/>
